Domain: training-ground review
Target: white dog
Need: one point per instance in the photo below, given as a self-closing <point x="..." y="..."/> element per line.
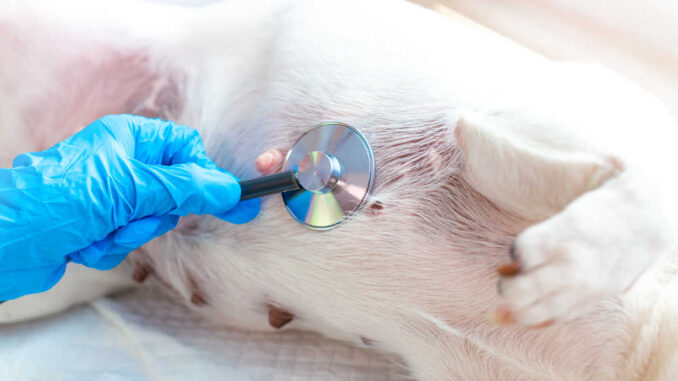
<point x="481" y="155"/>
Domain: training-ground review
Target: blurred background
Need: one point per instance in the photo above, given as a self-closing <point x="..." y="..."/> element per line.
<point x="636" y="38"/>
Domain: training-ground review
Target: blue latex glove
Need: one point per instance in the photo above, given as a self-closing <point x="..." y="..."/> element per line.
<point x="102" y="193"/>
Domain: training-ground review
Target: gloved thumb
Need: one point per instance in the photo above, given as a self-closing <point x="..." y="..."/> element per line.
<point x="187" y="188"/>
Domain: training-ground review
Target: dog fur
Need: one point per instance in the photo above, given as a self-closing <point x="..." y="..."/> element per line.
<point x="480" y="151"/>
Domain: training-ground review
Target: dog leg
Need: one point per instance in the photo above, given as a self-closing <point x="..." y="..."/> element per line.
<point x="598" y="222"/>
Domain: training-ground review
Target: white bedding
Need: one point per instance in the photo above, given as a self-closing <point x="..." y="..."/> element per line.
<point x="144" y="336"/>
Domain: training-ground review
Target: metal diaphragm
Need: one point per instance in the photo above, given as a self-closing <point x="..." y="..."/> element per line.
<point x="335" y="165"/>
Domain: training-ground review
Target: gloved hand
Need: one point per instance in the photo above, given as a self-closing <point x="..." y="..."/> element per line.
<point x="102" y="193"/>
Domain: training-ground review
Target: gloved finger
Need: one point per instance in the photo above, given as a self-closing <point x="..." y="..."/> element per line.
<point x="93" y="254"/>
<point x="139" y="232"/>
<point x="152" y="141"/>
<point x="243" y="212"/>
<point x="182" y="189"/>
<point x="71" y="149"/>
<point x="157" y="141"/>
<point x="107" y="253"/>
<point x="17" y="283"/>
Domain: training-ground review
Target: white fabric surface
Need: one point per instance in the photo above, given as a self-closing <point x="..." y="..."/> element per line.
<point x="144" y="336"/>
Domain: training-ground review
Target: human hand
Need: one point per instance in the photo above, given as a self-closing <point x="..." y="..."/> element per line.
<point x="110" y="188"/>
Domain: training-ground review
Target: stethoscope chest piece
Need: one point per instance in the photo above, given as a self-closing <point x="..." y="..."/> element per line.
<point x="334" y="165"/>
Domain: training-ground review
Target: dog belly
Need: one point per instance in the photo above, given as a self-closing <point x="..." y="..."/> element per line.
<point x="413" y="272"/>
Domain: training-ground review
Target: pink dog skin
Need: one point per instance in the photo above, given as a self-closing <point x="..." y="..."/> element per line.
<point x="523" y="216"/>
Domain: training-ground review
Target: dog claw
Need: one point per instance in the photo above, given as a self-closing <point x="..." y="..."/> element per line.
<point x="510" y="269"/>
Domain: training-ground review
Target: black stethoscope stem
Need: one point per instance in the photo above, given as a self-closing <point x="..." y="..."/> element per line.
<point x="267" y="185"/>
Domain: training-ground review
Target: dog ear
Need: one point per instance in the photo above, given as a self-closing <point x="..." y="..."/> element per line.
<point x="527" y="165"/>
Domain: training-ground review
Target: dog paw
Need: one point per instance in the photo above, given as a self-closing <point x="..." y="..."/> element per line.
<point x="550" y="279"/>
<point x="563" y="267"/>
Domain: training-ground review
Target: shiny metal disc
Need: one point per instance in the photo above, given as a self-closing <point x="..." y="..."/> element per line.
<point x="336" y="162"/>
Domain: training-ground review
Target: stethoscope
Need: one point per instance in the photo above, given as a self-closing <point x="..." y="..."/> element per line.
<point x="327" y="176"/>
